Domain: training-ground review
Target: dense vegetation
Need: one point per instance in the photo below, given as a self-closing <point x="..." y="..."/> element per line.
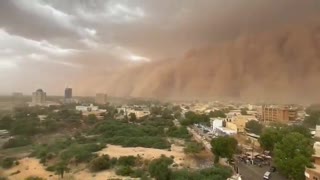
<point x="193" y="118"/>
<point x="224" y="146"/>
<point x="254" y="127"/>
<point x="131" y="135"/>
<point x="313" y="117"/>
<point x="290" y="145"/>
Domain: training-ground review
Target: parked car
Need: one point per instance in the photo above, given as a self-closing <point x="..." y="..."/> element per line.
<point x="267" y="175"/>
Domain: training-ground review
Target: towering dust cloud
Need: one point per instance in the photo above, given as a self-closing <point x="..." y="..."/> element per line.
<point x="278" y="65"/>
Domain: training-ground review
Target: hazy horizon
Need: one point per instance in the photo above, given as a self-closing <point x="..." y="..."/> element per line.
<point x="254" y="50"/>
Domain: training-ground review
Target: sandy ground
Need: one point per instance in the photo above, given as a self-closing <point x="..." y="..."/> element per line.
<point x="29" y="167"/>
<point x="32" y="167"/>
<point x="145" y="153"/>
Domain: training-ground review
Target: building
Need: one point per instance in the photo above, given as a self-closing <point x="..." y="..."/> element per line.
<point x="39" y="97"/>
<point x="101" y="98"/>
<point x="278" y="114"/>
<point x="138" y="112"/>
<point x="89" y="108"/>
<point x="68" y="93"/>
<point x="314" y="173"/>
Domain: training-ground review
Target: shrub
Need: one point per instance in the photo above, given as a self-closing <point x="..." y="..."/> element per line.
<point x="17" y="142"/>
<point x="127" y="161"/>
<point x="100" y="163"/>
<point x="7" y="162"/>
<point x="34" y="178"/>
<point x="124" y="171"/>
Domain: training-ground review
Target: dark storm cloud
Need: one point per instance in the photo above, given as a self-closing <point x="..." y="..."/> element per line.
<point x="94" y="38"/>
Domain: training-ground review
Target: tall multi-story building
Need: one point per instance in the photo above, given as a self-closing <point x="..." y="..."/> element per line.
<point x="39" y="97"/>
<point x="68" y="95"/>
<point x="101" y="98"/>
<point x="278" y="114"/>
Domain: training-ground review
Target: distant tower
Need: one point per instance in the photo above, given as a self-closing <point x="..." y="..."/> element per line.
<point x="39" y="97"/>
<point x="68" y="95"/>
<point x="101" y="98"/>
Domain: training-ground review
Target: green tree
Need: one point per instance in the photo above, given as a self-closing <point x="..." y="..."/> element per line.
<point x="159" y="168"/>
<point x="127" y="161"/>
<point x="7" y="163"/>
<point x="34" y="178"/>
<point x="100" y="163"/>
<point x="92" y="119"/>
<point x="312" y="119"/>
<point x="254" y="127"/>
<point x="269" y="137"/>
<point x="124" y="171"/>
<point x="6" y="122"/>
<point x="244" y="111"/>
<point x="223" y="146"/>
<point x="133" y="117"/>
<point x="61" y="168"/>
<point x="292" y="154"/>
<point x="193" y="148"/>
<point x="217" y="113"/>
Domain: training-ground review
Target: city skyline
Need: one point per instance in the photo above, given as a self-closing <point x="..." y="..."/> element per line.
<point x="138" y="50"/>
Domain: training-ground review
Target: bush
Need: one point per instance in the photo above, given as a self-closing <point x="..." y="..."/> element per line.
<point x="216" y="173"/>
<point x="17" y="142"/>
<point x="181" y="132"/>
<point x="138" y="173"/>
<point x="7" y="163"/>
<point x="127" y="161"/>
<point x="159" y="168"/>
<point x="124" y="171"/>
<point x="34" y="178"/>
<point x="100" y="163"/>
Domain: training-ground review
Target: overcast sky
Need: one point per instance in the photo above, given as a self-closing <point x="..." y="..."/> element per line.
<point x="53" y="43"/>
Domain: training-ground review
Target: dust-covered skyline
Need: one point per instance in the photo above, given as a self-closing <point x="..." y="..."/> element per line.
<point x="90" y="45"/>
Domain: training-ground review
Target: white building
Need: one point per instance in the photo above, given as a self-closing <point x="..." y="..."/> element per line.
<point x="89" y="108"/>
<point x="39" y="97"/>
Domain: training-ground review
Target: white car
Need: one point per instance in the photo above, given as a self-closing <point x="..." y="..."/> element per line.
<point x="267" y="175"/>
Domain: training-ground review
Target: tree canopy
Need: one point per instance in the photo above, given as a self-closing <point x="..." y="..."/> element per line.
<point x="223" y="146"/>
<point x="254" y="127"/>
<point x="292" y="154"/>
<point x="159" y="168"/>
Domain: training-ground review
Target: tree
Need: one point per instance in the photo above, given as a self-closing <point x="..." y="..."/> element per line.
<point x="127" y="161"/>
<point x="6" y="122"/>
<point x="254" y="127"/>
<point x="7" y="163"/>
<point x="61" y="168"/>
<point x="92" y="119"/>
<point x="269" y="137"/>
<point x="193" y="148"/>
<point x="34" y="178"/>
<point x="133" y="117"/>
<point x="100" y="163"/>
<point x="313" y="119"/>
<point x="177" y="115"/>
<point x="217" y="113"/>
<point x="223" y="146"/>
<point x="292" y="154"/>
<point x="159" y="168"/>
<point x="244" y="111"/>
<point x="124" y="171"/>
